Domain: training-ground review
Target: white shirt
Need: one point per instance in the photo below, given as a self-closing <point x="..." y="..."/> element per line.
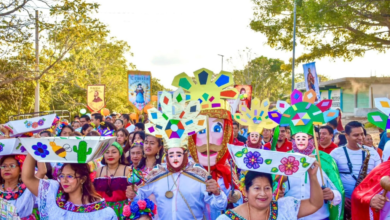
<point x="130" y="128"/>
<point x="386" y="152"/>
<point x="193" y="191"/>
<point x="356" y="159"/>
<point x="300" y="189"/>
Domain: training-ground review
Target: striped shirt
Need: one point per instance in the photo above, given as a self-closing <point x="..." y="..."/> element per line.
<point x="357" y="160"/>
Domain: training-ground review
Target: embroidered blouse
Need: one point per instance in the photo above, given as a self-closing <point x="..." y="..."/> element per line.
<point x="286" y="208"/>
<point x="22" y="199"/>
<point x="52" y="205"/>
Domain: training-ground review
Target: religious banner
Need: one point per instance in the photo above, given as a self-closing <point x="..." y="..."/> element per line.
<point x="245" y="96"/>
<point x="273" y="162"/>
<point x="96" y="97"/>
<point x="34" y="125"/>
<point x="311" y="79"/>
<point x="67" y="149"/>
<point x="139" y="86"/>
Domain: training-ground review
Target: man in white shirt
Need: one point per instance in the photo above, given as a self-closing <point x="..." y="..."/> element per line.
<point x="126" y="123"/>
<point x="352" y="151"/>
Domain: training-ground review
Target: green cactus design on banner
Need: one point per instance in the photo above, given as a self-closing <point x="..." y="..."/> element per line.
<point x="82" y="152"/>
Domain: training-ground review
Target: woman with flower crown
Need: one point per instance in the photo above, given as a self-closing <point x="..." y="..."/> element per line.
<point x="72" y="197"/>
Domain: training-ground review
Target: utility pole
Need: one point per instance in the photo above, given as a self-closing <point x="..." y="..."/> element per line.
<point x="222" y="61"/>
<point x="293" y="61"/>
<point x="36" y="109"/>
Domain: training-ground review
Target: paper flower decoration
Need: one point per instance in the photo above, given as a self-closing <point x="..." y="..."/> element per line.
<point x="176" y="121"/>
<point x="255" y="118"/>
<point x="381" y="118"/>
<point x="210" y="94"/>
<point x="302" y="114"/>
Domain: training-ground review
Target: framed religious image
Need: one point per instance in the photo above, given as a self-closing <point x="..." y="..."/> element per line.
<point x="139" y="86"/>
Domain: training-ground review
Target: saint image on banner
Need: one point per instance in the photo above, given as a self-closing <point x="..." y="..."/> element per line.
<point x="311" y="79"/>
<point x="95" y="97"/>
<point x="139" y="88"/>
<point x="245" y="95"/>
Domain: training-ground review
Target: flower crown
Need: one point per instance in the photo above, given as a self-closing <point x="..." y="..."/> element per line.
<point x="381" y="118"/>
<point x="255" y="118"/>
<point x="211" y="95"/>
<point x="176" y="121"/>
<point x="302" y="114"/>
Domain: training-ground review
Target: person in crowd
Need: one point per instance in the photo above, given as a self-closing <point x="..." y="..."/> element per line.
<point x="385" y="137"/>
<point x="288" y="133"/>
<point x="45" y="133"/>
<point x="122" y="136"/>
<point x="138" y="136"/>
<point x="154" y="152"/>
<point x="107" y="129"/>
<point x="97" y="118"/>
<point x="76" y="118"/>
<point x="109" y="119"/>
<point x="112" y="182"/>
<point x="317" y="131"/>
<point x="113" y="116"/>
<point x="354" y="161"/>
<point x="128" y="146"/>
<point x="76" y="125"/>
<point x="333" y="123"/>
<point x="66" y="131"/>
<point x="136" y="153"/>
<point x="84" y="119"/>
<point x="386" y="150"/>
<point x="267" y="136"/>
<point x="261" y="206"/>
<point x="73" y="196"/>
<point x="340" y="126"/>
<point x="326" y="135"/>
<point x="119" y="124"/>
<point x="238" y="139"/>
<point x="126" y="121"/>
<point x="13" y="190"/>
<point x="93" y="134"/>
<point x="340" y="139"/>
<point x="368" y="141"/>
<point x="86" y="129"/>
<point x="283" y="144"/>
<point x="139" y="127"/>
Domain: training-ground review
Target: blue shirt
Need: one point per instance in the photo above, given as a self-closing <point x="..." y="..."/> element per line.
<point x="383" y="141"/>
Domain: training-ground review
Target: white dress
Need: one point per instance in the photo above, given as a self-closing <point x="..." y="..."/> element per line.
<point x="286" y="208"/>
<point x="52" y="207"/>
<point x="23" y="200"/>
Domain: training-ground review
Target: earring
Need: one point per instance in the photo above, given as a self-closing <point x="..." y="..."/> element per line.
<point x="246" y="199"/>
<point x="157" y="156"/>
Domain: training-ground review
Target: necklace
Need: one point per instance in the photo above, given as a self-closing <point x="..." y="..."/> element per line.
<point x="112" y="175"/>
<point x="109" y="190"/>
<point x="169" y="193"/>
<point x="9" y="189"/>
<point x="266" y="214"/>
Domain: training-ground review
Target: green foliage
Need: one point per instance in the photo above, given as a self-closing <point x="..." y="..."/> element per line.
<point x="336" y="29"/>
<point x="268" y="78"/>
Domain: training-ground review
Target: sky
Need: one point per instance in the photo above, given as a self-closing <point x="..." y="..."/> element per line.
<point x="174" y="36"/>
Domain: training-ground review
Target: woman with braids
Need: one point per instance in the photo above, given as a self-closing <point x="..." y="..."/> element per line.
<point x="12" y="188"/>
<point x="72" y="197"/>
<point x="112" y="181"/>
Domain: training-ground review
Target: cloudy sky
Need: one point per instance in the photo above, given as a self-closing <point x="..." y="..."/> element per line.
<point x="173" y="36"/>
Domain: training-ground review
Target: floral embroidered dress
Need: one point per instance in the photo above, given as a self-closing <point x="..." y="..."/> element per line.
<point x="22" y="199"/>
<point x="117" y="187"/>
<point x="52" y="205"/>
<point x="286" y="208"/>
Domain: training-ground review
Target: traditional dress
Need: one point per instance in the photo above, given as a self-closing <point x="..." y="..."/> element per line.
<point x="52" y="205"/>
<point x="117" y="186"/>
<point x="286" y="208"/>
<point x="22" y="199"/>
<point x="189" y="190"/>
<point x="367" y="189"/>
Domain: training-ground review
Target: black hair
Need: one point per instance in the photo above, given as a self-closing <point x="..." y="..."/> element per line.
<point x="85" y="127"/>
<point x="87" y="118"/>
<point x="329" y="128"/>
<point x="109" y="125"/>
<point x="343" y="140"/>
<point x="2" y="159"/>
<point x="113" y="115"/>
<point x="76" y="116"/>
<point x="365" y="132"/>
<point x="333" y="122"/>
<point x="121" y="159"/>
<point x="126" y="116"/>
<point x="236" y="123"/>
<point x="141" y="134"/>
<point x="93" y="133"/>
<point x="352" y="124"/>
<point x="139" y="84"/>
<point x="316" y="129"/>
<point x="252" y="175"/>
<point x="46" y="132"/>
<point x="140" y="126"/>
<point x="98" y="116"/>
<point x="66" y="126"/>
<point x="142" y="163"/>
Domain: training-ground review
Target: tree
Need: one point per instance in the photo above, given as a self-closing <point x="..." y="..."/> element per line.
<point x="336" y="29"/>
<point x="268" y="78"/>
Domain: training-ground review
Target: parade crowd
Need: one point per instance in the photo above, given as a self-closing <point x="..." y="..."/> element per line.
<point x="176" y="164"/>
